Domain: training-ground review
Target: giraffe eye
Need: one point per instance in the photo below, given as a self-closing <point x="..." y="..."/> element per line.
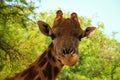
<point x="53" y="36"/>
<point x="80" y="36"/>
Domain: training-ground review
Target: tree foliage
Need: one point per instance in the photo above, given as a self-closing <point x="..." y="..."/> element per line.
<point x="21" y="43"/>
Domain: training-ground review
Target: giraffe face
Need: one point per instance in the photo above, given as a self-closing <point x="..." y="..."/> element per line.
<point x="66" y="37"/>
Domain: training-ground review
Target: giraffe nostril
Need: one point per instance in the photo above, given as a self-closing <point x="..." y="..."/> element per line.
<point x="71" y="50"/>
<point x="68" y="51"/>
<point x="64" y="51"/>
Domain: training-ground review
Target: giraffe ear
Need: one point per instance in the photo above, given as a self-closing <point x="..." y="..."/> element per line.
<point x="89" y="31"/>
<point x="44" y="28"/>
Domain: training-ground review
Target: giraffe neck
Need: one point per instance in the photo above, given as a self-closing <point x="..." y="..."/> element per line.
<point x="46" y="67"/>
<point x="49" y="64"/>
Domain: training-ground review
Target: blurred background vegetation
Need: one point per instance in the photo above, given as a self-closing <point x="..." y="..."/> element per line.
<point x="21" y="43"/>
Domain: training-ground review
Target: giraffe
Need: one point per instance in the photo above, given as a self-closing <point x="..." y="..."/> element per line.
<point x="66" y="36"/>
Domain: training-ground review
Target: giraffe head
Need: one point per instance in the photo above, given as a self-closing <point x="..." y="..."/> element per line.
<point x="66" y="36"/>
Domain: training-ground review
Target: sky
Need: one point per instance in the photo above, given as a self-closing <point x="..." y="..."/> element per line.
<point x="106" y="11"/>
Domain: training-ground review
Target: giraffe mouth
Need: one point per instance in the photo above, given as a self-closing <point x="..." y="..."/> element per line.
<point x="70" y="59"/>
